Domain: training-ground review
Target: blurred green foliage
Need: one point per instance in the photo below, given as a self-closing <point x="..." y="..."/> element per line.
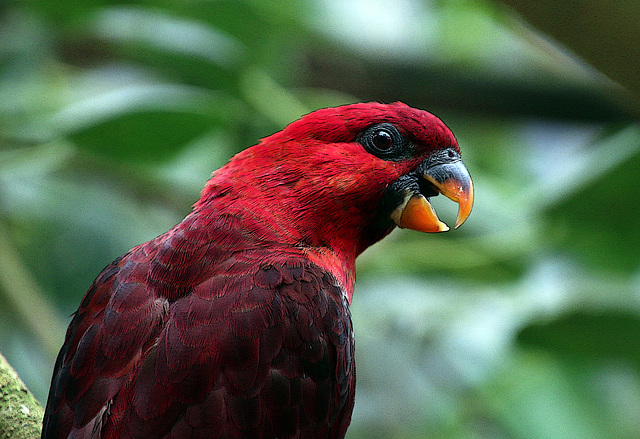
<point x="521" y="324"/>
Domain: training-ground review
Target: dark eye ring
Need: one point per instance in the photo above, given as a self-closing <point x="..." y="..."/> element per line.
<point x="382" y="140"/>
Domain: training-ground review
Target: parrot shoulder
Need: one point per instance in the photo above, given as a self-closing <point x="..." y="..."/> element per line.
<point x="118" y="320"/>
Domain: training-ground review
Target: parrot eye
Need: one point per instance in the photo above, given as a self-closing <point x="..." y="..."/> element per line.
<point x="385" y="141"/>
<point x="382" y="140"/>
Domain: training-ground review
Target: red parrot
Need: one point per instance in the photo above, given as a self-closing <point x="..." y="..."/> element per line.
<point x="235" y="323"/>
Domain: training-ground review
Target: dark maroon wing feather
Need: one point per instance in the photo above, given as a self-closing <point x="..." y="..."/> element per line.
<point x="252" y="350"/>
<point x="117" y="321"/>
<point x="266" y="359"/>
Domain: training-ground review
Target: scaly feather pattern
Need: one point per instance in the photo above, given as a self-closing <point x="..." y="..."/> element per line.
<point x="236" y="323"/>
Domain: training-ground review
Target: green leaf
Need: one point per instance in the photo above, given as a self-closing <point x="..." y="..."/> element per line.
<point x="144" y="122"/>
<point x="588" y="336"/>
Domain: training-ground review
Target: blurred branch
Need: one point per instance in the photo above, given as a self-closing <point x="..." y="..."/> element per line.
<point x="26" y="297"/>
<point x="466" y="91"/>
<point x="20" y="413"/>
<point x="604" y="33"/>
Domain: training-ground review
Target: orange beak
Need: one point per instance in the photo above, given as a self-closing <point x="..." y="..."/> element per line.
<point x="451" y="180"/>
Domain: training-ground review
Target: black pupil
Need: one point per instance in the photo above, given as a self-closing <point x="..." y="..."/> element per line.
<point x="382" y="140"/>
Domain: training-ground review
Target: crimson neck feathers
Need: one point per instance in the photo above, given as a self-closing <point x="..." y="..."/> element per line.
<point x="290" y="199"/>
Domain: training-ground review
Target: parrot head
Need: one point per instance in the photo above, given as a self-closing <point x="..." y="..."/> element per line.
<point x="344" y="177"/>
